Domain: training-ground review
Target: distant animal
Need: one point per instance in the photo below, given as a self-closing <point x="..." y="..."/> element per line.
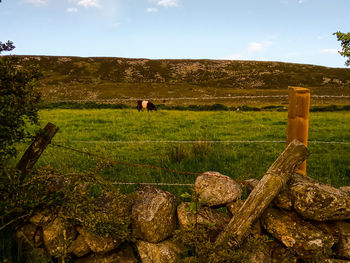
<point x="144" y="104"/>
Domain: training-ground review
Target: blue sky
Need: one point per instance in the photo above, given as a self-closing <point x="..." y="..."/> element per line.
<point x="299" y="31"/>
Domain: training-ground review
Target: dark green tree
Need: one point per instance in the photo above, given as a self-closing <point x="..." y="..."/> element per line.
<point x="344" y="39"/>
<point x="18" y="101"/>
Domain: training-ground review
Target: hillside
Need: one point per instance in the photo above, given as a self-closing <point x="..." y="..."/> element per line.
<point x="77" y="78"/>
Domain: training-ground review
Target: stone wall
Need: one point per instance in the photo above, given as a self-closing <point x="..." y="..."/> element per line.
<point x="308" y="221"/>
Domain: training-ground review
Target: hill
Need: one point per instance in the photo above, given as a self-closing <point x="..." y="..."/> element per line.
<point x="125" y="80"/>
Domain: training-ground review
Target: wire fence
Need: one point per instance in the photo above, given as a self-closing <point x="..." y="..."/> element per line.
<point x="199" y="98"/>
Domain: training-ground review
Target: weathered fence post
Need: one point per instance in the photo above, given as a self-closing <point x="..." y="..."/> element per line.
<point x="298" y="118"/>
<point x="35" y="150"/>
<point x="262" y="195"/>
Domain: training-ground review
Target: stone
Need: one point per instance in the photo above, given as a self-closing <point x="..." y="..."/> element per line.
<point x="153" y="214"/>
<point x="317" y="201"/>
<point x="343" y="246"/>
<point x="26" y="236"/>
<point x="280" y="254"/>
<point x="163" y="252"/>
<point x="250" y="184"/>
<point x="99" y="244"/>
<point x="284" y="199"/>
<point x="57" y="236"/>
<point x="306" y="240"/>
<point x="42" y="217"/>
<point x="79" y="247"/>
<point x="345" y="189"/>
<point x="213" y="189"/>
<point x="204" y="216"/>
<point x="124" y="254"/>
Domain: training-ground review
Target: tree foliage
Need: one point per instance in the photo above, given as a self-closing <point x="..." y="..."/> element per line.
<point x="18" y="101"/>
<point x="344" y="38"/>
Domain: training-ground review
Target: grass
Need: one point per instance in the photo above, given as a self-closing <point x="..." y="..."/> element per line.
<point x="329" y="163"/>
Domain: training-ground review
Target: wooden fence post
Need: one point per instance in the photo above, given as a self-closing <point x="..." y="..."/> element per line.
<point x="35" y="150"/>
<point x="298" y="118"/>
<point x="262" y="195"/>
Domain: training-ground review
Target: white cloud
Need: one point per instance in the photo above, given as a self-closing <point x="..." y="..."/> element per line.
<point x="259" y="46"/>
<point x="255" y="47"/>
<point x="40" y="2"/>
<point x="300" y="1"/>
<point x="88" y="3"/>
<point x="329" y="51"/>
<point x="166" y="3"/>
<point x="72" y="10"/>
<point x="152" y="10"/>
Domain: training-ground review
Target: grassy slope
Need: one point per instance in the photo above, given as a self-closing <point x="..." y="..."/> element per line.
<point x="328" y="162"/>
<point x="107" y="78"/>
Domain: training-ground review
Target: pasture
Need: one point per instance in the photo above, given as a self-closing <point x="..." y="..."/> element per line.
<point x="135" y="137"/>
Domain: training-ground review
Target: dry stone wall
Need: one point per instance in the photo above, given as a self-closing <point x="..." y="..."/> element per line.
<point x="308" y="222"/>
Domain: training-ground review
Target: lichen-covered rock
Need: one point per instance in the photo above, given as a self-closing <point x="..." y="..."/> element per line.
<point x="284" y="199"/>
<point x="43" y="217"/>
<point x="343" y="246"/>
<point x="153" y="214"/>
<point x="189" y="215"/>
<point x="318" y="201"/>
<point x="163" y="252"/>
<point x="214" y="189"/>
<point x="305" y="239"/>
<point x="99" y="244"/>
<point x="124" y="254"/>
<point x="79" y="247"/>
<point x="29" y="236"/>
<point x="57" y="236"/>
<point x="345" y="189"/>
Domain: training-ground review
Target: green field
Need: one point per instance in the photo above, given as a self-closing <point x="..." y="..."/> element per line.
<point x="106" y="133"/>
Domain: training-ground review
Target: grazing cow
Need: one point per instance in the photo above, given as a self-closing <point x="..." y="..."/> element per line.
<point x="144" y="104"/>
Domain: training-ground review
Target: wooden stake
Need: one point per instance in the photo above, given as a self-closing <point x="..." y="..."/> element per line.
<point x="34" y="151"/>
<point x="298" y="118"/>
<point x="262" y="195"/>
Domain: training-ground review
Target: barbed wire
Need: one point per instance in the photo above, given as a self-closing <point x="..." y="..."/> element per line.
<point x="199" y="98"/>
<point x="115" y="161"/>
<point x="194" y="142"/>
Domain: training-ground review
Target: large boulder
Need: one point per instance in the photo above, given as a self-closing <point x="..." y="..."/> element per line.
<point x="97" y="243"/>
<point x="124" y="254"/>
<point x="163" y="252"/>
<point x="213" y="188"/>
<point x="318" y="201"/>
<point x="57" y="236"/>
<point x="153" y="214"/>
<point x="189" y="216"/>
<point x="306" y="240"/>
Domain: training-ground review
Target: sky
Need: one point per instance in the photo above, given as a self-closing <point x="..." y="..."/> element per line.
<point x="298" y="31"/>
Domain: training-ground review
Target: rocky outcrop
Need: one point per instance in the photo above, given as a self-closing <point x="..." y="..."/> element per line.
<point x="291" y="230"/>
<point x="215" y="189"/>
<point x="79" y="247"/>
<point x="153" y="214"/>
<point x="163" y="252"/>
